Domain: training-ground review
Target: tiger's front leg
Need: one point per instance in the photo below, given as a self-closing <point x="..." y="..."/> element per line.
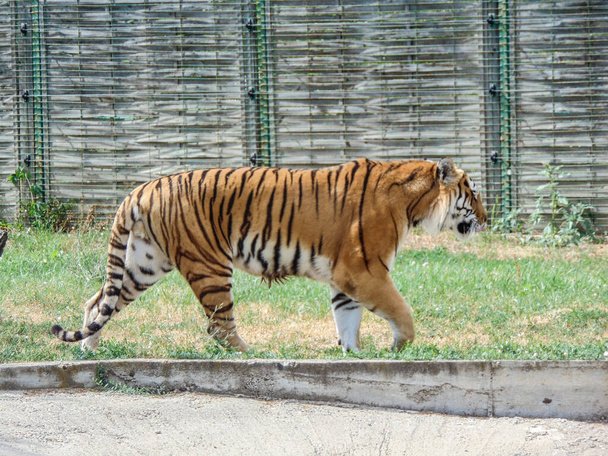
<point x="347" y="316"/>
<point x="214" y="292"/>
<point x="379" y="295"/>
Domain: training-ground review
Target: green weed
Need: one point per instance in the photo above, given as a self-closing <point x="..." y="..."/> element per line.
<point x="103" y="381"/>
<point x="556" y="221"/>
<point x="37" y="211"/>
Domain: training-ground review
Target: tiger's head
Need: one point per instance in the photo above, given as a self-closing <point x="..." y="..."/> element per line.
<point x="458" y="207"/>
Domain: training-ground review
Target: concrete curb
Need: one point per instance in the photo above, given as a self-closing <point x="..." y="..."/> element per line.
<point x="547" y="389"/>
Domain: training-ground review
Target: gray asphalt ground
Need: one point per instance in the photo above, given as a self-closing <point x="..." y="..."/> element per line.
<point x="78" y="422"/>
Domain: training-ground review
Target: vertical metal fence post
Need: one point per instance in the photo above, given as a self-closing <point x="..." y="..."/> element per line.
<point x="504" y="45"/>
<point x="491" y="106"/>
<point x="264" y="82"/>
<point x="259" y="134"/>
<point x="30" y="102"/>
<point x="40" y="165"/>
<point x="251" y="139"/>
<point x="497" y="105"/>
<point x="22" y="55"/>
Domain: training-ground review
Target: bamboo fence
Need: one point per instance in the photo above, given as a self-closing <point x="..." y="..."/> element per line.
<point x="122" y="92"/>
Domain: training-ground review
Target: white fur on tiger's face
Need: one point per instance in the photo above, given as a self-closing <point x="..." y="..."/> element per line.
<point x="341" y="225"/>
<point x="460" y="208"/>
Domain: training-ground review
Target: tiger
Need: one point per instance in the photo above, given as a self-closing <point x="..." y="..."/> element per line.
<point x="340" y="225"/>
<point x="3" y="239"/>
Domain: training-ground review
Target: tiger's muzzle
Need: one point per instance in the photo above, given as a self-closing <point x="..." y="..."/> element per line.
<point x="470" y="227"/>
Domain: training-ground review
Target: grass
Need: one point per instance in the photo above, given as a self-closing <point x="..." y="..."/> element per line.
<point x="105" y="383"/>
<point x="490" y="299"/>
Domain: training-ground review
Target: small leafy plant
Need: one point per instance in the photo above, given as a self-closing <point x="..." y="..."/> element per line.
<point x="568" y="223"/>
<point x="562" y="221"/>
<point x="51" y="214"/>
<point x="510" y="222"/>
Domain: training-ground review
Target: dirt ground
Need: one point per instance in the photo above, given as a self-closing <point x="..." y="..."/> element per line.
<point x="101" y="423"/>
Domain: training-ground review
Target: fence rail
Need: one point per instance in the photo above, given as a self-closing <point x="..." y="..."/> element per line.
<point x="100" y="95"/>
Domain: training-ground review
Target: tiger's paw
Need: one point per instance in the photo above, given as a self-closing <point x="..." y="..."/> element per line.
<point x="239" y="345"/>
<point x="227" y="339"/>
<point x="400" y="344"/>
<point x="352" y="347"/>
<point x="89" y="344"/>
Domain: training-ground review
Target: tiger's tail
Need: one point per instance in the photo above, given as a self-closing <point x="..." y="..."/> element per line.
<point x="126" y="216"/>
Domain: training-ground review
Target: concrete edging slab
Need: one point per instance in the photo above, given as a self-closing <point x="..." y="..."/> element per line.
<point x="548" y="389"/>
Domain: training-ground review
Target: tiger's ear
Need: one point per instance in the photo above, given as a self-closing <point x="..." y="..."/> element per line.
<point x="447" y="173"/>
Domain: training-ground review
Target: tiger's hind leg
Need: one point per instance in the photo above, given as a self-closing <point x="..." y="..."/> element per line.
<point x="91" y="309"/>
<point x="347" y="316"/>
<point x="145" y="264"/>
<point x="214" y="292"/>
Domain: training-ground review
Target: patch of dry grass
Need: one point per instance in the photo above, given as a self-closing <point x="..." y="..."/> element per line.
<point x="509" y="248"/>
